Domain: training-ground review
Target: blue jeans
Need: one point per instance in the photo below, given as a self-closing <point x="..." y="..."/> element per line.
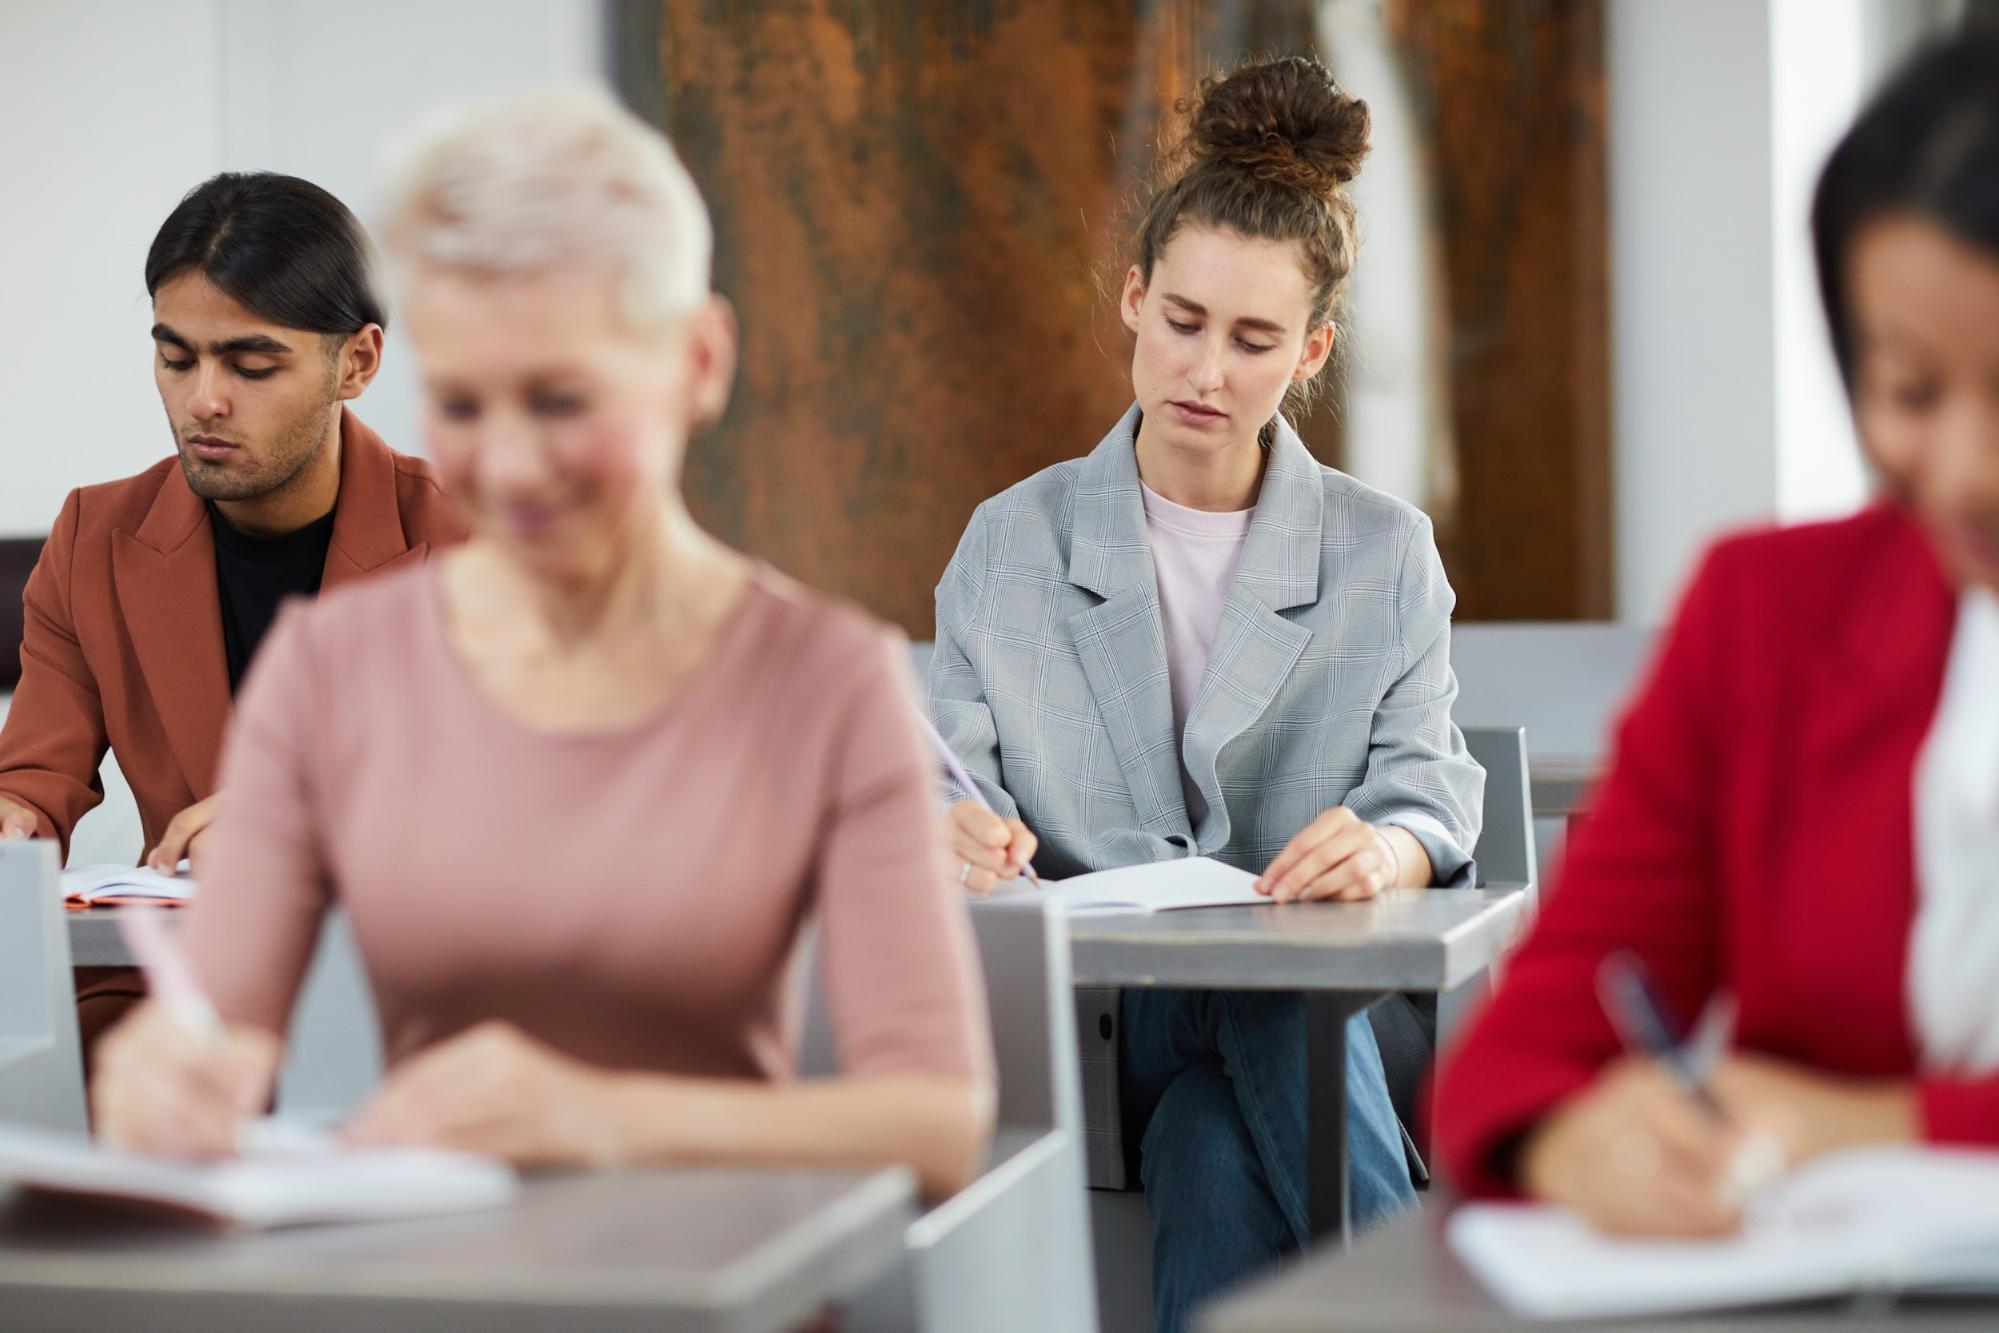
<point x="1214" y="1084"/>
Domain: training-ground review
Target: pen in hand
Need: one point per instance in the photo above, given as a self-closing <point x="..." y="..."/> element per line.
<point x="965" y="783"/>
<point x="169" y="976"/>
<point x="1640" y="1017"/>
<point x="1635" y="1010"/>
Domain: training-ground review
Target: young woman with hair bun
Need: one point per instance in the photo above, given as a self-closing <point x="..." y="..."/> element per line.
<point x="1198" y="641"/>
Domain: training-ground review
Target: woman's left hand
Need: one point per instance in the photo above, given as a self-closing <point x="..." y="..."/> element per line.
<point x="1808" y="1113"/>
<point x="1338" y="856"/>
<point x="495" y="1090"/>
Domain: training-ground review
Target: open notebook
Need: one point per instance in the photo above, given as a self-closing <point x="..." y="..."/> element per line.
<point x="1161" y="886"/>
<point x="111" y="886"/>
<point x="1900" y="1219"/>
<point x="287" y="1177"/>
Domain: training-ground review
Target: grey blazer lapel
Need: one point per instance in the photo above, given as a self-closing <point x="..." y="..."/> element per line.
<point x="1255" y="648"/>
<point x="1120" y="641"/>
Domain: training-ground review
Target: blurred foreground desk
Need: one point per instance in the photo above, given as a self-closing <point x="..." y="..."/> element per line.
<point x="666" y="1252"/>
<point x="1343" y="956"/>
<point x="1403" y="1279"/>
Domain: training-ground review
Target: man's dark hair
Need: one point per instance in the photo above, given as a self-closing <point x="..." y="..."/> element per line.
<point x="1926" y="146"/>
<point x="282" y="247"/>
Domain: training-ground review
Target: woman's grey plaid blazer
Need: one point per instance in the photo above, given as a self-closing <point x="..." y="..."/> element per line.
<point x="1328" y="683"/>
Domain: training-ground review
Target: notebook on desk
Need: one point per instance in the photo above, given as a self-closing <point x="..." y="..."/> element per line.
<point x="1160" y="886"/>
<point x="116" y="886"/>
<point x="1911" y="1220"/>
<point x="287" y="1177"/>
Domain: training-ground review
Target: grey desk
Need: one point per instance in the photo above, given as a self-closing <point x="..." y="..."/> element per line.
<point x="667" y="1252"/>
<point x="1561" y="782"/>
<point x="94" y="940"/>
<point x="1403" y="1278"/>
<point x="1343" y="956"/>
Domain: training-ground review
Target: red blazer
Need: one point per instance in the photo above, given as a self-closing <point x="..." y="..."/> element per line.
<point x="122" y="639"/>
<point x="1753" y="833"/>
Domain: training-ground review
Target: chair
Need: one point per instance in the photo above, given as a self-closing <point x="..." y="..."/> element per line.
<point x="41" y="1062"/>
<point x="1506" y="854"/>
<point x="1012" y="1249"/>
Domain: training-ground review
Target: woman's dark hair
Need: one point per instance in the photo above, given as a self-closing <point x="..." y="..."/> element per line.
<point x="1267" y="153"/>
<point x="1926" y="146"/>
<point x="282" y="247"/>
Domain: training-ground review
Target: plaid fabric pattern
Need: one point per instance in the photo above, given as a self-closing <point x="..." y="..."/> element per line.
<point x="1328" y="683"/>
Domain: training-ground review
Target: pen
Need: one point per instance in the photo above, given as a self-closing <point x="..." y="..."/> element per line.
<point x="964" y="780"/>
<point x="169" y="975"/>
<point x="1636" y="1011"/>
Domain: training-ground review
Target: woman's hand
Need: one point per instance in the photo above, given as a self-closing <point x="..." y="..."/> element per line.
<point x="159" y="1088"/>
<point x="1338" y="857"/>
<point x="1636" y="1156"/>
<point x="988" y="848"/>
<point x="495" y="1090"/>
<point x="1808" y="1113"/>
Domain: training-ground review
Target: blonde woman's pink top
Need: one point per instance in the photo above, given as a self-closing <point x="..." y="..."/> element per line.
<point x="633" y="896"/>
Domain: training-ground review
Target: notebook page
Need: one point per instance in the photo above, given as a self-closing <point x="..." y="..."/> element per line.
<point x="1886" y="1217"/>
<point x="1160" y="886"/>
<point x="1547" y="1263"/>
<point x="290" y="1181"/>
<point x="97" y="883"/>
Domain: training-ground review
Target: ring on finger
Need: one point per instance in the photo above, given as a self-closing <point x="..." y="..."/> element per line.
<point x="965" y="875"/>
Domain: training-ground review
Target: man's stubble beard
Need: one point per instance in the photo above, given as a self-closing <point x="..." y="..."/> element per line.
<point x="289" y="456"/>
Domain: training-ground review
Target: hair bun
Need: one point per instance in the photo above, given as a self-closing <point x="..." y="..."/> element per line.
<point x="1284" y="121"/>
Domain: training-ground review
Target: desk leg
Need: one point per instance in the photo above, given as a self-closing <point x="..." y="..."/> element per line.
<point x="1328" y="1192"/>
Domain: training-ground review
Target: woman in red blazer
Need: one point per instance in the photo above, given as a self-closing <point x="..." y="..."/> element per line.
<point x="1757" y="833"/>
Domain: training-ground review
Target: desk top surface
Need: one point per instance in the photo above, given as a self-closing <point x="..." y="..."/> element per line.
<point x="1403" y="1278"/>
<point x="1407" y="939"/>
<point x="665" y="1250"/>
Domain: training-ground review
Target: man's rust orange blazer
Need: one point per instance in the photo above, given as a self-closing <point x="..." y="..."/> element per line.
<point x="122" y="640"/>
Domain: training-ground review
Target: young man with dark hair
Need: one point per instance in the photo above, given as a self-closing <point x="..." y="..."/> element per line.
<point x="152" y="593"/>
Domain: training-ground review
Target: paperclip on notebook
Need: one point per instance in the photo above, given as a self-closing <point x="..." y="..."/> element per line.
<point x="1907" y="1220"/>
<point x="1161" y="886"/>
<point x="123" y="886"/>
<point x="282" y="1185"/>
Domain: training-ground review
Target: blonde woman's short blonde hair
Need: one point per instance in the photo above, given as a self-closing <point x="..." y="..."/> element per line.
<point x="553" y="179"/>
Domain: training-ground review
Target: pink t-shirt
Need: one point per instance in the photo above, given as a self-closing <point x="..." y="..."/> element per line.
<point x="633" y="896"/>
<point x="1194" y="553"/>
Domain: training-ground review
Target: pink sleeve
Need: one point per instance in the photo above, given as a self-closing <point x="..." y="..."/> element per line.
<point x="901" y="976"/>
<point x="264" y="881"/>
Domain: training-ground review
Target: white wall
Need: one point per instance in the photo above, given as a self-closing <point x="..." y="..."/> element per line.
<point x="1692" y="321"/>
<point x="1727" y="408"/>
<point x="111" y="118"/>
<point x="121" y="106"/>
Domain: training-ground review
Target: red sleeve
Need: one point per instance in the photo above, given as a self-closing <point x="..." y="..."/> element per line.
<point x="54" y="739"/>
<point x="1641" y="875"/>
<point x="1959" y="1110"/>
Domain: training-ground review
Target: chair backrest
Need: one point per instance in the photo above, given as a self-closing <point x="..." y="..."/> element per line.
<point x="1565" y="683"/>
<point x="1024" y="953"/>
<point x="1505" y="851"/>
<point x="1023" y="948"/>
<point x="1012" y="1249"/>
<point x="333" y="1053"/>
<point x="41" y="1065"/>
